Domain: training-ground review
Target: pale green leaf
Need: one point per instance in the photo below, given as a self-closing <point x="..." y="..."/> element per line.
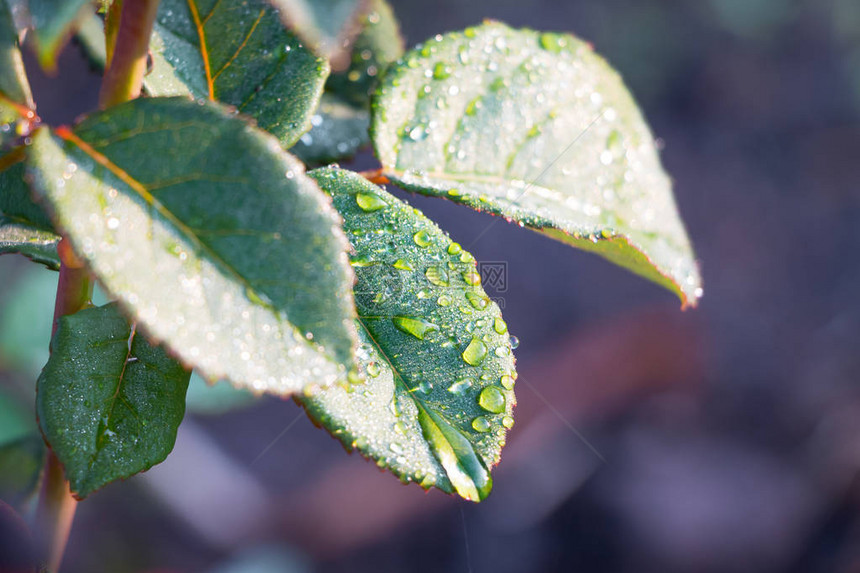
<point x="210" y="235"/>
<point x="437" y="395"/>
<point x="108" y="402"/>
<point x="240" y="54"/>
<point x="540" y="130"/>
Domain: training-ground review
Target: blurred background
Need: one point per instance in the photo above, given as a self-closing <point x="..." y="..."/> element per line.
<point x="725" y="438"/>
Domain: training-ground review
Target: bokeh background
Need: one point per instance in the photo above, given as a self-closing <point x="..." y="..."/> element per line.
<point x="725" y="438"/>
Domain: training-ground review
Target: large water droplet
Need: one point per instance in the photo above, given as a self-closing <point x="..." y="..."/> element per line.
<point x="507" y="382"/>
<point x="478" y="301"/>
<point x="515" y="342"/>
<point x="475" y="352"/>
<point x="422" y="238"/>
<point x="370" y="202"/>
<point x="437" y="276"/>
<point x="500" y="326"/>
<point x="460" y="386"/>
<point x="492" y="400"/>
<point x="402" y="265"/>
<point x="481" y="424"/>
<point x="417" y="327"/>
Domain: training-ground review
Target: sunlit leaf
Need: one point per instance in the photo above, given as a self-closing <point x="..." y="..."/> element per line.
<point x="540" y="130"/>
<point x="437" y="397"/>
<point x="108" y="402"/>
<point x="240" y="54"/>
<point x="210" y="235"/>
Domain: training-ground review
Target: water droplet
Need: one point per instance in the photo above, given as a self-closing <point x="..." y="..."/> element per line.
<point x="500" y="326"/>
<point x="515" y="342"/>
<point x="460" y="386"/>
<point x="424" y="387"/>
<point x="422" y="238"/>
<point x="454" y="249"/>
<point x="402" y="265"/>
<point x="373" y="369"/>
<point x="475" y="352"/>
<point x="354" y="377"/>
<point x="554" y="43"/>
<point x="437" y="276"/>
<point x="477" y="301"/>
<point x="370" y="202"/>
<point x="400" y="427"/>
<point x="507" y="382"/>
<point x="492" y="400"/>
<point x="417" y="327"/>
<point x="502" y="351"/>
<point x="443" y="300"/>
<point x="418" y="133"/>
<point x="472" y="277"/>
<point x="481" y="424"/>
<point x="508" y="422"/>
<point x="441" y="71"/>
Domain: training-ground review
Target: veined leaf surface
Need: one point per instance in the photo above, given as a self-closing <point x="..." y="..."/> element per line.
<point x="326" y="26"/>
<point x="540" y="130"/>
<point x="210" y="235"/>
<point x="240" y="54"/>
<point x="437" y="397"/>
<point x="108" y="402"/>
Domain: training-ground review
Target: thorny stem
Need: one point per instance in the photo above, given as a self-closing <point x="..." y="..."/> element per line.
<point x="124" y="76"/>
<point x="122" y="82"/>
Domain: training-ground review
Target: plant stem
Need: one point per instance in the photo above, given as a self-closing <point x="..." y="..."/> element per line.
<point x="111" y="28"/>
<point x="56" y="505"/>
<point x="122" y="82"/>
<point x="124" y="76"/>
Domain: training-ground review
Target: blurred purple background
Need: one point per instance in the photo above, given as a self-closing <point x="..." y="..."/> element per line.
<point x="725" y="438"/>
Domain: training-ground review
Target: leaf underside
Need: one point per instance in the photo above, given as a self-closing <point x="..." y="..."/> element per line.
<point x="24" y="227"/>
<point x="342" y="119"/>
<point x="108" y="402"/>
<point x="540" y="130"/>
<point x="210" y="236"/>
<point x="240" y="54"/>
<point x="432" y="344"/>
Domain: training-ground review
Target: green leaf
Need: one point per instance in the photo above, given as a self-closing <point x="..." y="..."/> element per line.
<point x="343" y="116"/>
<point x="24" y="227"/>
<point x="540" y="130"/>
<point x="439" y="373"/>
<point x="327" y="26"/>
<point x="16" y="101"/>
<point x="210" y="235"/>
<point x="237" y="53"/>
<point x="54" y="22"/>
<point x="108" y="402"/>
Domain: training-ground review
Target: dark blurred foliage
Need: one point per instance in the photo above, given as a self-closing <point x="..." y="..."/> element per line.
<point x="725" y="438"/>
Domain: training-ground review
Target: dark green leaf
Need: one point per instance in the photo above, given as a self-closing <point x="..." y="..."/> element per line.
<point x="210" y="235"/>
<point x="536" y="128"/>
<point x="21" y="462"/>
<point x="327" y="26"/>
<point x="108" y="402"/>
<point x="24" y="227"/>
<point x="54" y="22"/>
<point x="16" y="101"/>
<point x="438" y="394"/>
<point x="341" y="121"/>
<point x="237" y="53"/>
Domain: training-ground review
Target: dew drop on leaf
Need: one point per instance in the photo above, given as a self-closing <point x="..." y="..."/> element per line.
<point x="417" y="327"/>
<point x="475" y="352"/>
<point x="481" y="424"/>
<point x="370" y="202"/>
<point x="492" y="400"/>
